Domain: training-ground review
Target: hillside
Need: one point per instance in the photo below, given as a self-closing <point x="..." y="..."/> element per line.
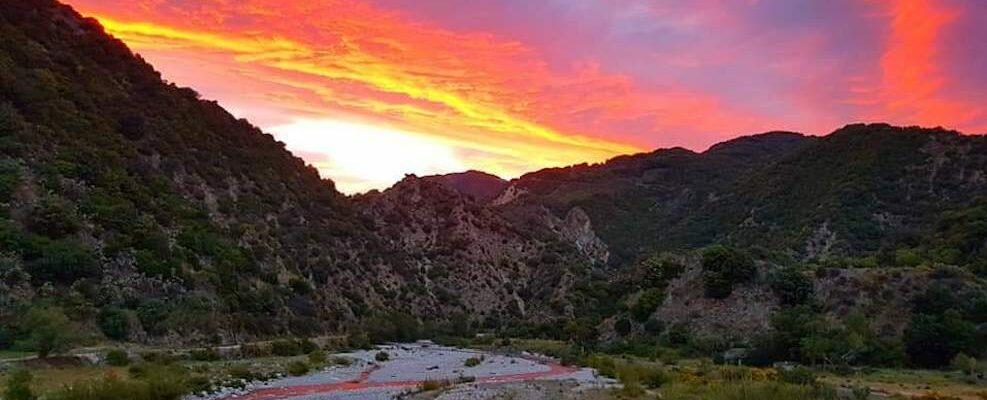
<point x="862" y="191"/>
<point x="158" y="215"/>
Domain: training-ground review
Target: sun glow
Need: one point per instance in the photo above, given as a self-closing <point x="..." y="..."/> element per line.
<point x="362" y="157"/>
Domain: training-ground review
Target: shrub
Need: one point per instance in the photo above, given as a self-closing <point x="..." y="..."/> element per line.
<point x="48" y="331"/>
<point x="429" y="385"/>
<point x="242" y="371"/>
<point x="19" y="386"/>
<point x="723" y="268"/>
<point x="63" y="261"/>
<point x="158" y="357"/>
<point x="286" y="348"/>
<point x="931" y="341"/>
<point x="798" y="375"/>
<point x="382" y="356"/>
<point x="114" y="324"/>
<point x="792" y="286"/>
<point x="117" y="358"/>
<point x="647" y="303"/>
<point x="307" y="346"/>
<point x="964" y="363"/>
<point x="204" y="354"/>
<point x="622" y="326"/>
<point x="317" y="357"/>
<point x="472" y="362"/>
<point x="661" y="268"/>
<point x="255" y="350"/>
<point x="298" y="368"/>
<point x="343" y="361"/>
<point x="155" y="383"/>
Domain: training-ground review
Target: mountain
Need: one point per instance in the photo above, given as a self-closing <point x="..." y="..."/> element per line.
<point x="160" y="215"/>
<point x="864" y="190"/>
<point x="481" y="186"/>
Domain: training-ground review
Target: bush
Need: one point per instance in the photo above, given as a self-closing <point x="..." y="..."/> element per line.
<point x="255" y="350"/>
<point x="19" y="386"/>
<point x="931" y="341"/>
<point x="286" y="348"/>
<point x="382" y="356"/>
<point x="965" y="364"/>
<point x="204" y="354"/>
<point x="798" y="375"/>
<point x="317" y="357"/>
<point x="661" y="268"/>
<point x="158" y="357"/>
<point x="114" y="324"/>
<point x="48" y="331"/>
<point x="432" y="384"/>
<point x="117" y="358"/>
<point x="647" y="304"/>
<point x="153" y="383"/>
<point x="63" y="261"/>
<point x="792" y="286"/>
<point x="343" y="361"/>
<point x="307" y="346"/>
<point x="723" y="268"/>
<point x="472" y="362"/>
<point x="298" y="368"/>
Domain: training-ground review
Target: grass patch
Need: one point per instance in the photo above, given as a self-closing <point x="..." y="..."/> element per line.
<point x="746" y="391"/>
<point x="11" y="354"/>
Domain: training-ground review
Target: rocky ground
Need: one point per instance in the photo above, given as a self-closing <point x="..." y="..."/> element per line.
<point x="408" y="366"/>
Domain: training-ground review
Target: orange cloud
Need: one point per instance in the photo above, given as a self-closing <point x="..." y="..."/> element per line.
<point x="493" y="100"/>
<point x="913" y="80"/>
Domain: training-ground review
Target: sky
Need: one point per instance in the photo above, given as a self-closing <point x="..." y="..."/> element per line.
<point x="370" y="90"/>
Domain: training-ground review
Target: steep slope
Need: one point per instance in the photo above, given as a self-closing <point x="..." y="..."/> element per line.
<point x="862" y="191"/>
<point x="151" y="204"/>
<point x="636" y="202"/>
<point x="157" y="214"/>
<point x="470" y="254"/>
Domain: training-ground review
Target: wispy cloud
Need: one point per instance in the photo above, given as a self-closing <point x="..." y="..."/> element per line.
<point x="510" y="87"/>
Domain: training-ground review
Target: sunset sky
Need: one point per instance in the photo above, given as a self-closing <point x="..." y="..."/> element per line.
<point x="368" y="90"/>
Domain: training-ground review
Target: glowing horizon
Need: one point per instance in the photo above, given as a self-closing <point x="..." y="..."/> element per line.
<point x="368" y="90"/>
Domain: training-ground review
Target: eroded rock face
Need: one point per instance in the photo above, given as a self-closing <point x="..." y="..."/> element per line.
<point x="470" y="254"/>
<point x="577" y="229"/>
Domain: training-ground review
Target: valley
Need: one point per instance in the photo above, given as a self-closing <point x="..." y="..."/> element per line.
<point x="155" y="247"/>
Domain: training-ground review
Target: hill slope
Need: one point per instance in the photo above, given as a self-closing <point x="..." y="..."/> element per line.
<point x="159" y="213"/>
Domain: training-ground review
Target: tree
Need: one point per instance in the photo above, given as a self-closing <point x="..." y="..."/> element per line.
<point x="48" y="330"/>
<point x="647" y="303"/>
<point x="723" y="268"/>
<point x="63" y="261"/>
<point x="582" y="331"/>
<point x="114" y="323"/>
<point x="55" y="217"/>
<point x="931" y="341"/>
<point x="792" y="286"/>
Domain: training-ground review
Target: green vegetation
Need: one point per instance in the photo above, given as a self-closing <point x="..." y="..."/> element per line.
<point x="792" y="286"/>
<point x="162" y="383"/>
<point x="724" y="268"/>
<point x="382" y="356"/>
<point x="647" y="303"/>
<point x="472" y="362"/>
<point x="117" y="358"/>
<point x="298" y="368"/>
<point x="19" y="386"/>
<point x="47" y="330"/>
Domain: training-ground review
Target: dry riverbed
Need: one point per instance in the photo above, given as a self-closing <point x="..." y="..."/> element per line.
<point x="428" y="371"/>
